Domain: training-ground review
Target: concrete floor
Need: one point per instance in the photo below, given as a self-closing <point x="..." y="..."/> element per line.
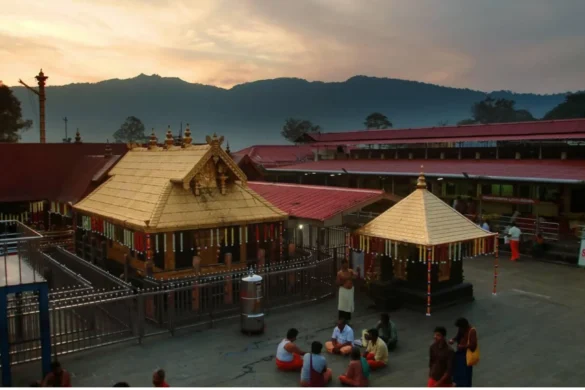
<point x="530" y="334"/>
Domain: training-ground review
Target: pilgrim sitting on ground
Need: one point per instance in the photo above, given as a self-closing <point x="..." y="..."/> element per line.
<point x="358" y="370"/>
<point x="386" y="331"/>
<point x="341" y="340"/>
<point x="288" y="355"/>
<point x="377" y="352"/>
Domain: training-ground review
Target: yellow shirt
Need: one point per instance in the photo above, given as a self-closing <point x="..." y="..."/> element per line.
<point x="380" y="350"/>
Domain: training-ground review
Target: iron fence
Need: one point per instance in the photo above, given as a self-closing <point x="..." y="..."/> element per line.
<point x="84" y="317"/>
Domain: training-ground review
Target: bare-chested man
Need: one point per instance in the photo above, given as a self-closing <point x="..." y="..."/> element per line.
<point x="345" y="278"/>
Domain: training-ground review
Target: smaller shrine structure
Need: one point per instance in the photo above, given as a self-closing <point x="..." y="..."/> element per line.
<point x="414" y="251"/>
<point x="171" y="211"/>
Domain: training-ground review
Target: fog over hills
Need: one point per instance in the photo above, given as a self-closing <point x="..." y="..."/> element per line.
<point x="253" y="113"/>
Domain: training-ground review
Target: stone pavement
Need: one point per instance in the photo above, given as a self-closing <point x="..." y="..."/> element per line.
<point x="530" y="334"/>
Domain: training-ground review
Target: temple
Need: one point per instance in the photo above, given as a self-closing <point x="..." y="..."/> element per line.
<point x="414" y="251"/>
<point x="171" y="211"/>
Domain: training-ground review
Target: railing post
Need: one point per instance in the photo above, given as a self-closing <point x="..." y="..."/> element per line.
<point x="140" y="316"/>
<point x="171" y="309"/>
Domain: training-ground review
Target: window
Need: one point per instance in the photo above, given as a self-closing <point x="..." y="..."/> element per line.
<point x="450" y="189"/>
<point x="506" y="190"/>
<point x="524" y="191"/>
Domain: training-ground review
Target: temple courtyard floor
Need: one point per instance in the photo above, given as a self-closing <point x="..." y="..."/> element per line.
<point x="530" y="334"/>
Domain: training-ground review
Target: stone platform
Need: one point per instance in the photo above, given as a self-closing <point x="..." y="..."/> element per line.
<point x="530" y="335"/>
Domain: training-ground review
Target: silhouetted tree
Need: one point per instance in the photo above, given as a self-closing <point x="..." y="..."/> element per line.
<point x="466" y="122"/>
<point x="442" y="123"/>
<point x="377" y="120"/>
<point x="294" y="129"/>
<point x="572" y="107"/>
<point x="132" y="130"/>
<point x="11" y="121"/>
<point x="492" y="110"/>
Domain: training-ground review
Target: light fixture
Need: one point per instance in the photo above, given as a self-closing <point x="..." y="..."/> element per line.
<point x="440" y="178"/>
<point x="301" y="227"/>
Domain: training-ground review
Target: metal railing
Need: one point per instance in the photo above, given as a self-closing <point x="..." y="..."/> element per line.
<point x="530" y="227"/>
<point x="84" y="317"/>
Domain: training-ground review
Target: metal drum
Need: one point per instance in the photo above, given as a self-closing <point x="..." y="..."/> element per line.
<point x="251" y="297"/>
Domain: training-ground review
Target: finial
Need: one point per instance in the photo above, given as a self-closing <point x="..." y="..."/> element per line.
<point x="153" y="140"/>
<point x="227" y="149"/>
<point x="170" y="140"/>
<point x="421" y="183"/>
<point x="108" y="149"/>
<point x="187" y="138"/>
<point x="77" y="137"/>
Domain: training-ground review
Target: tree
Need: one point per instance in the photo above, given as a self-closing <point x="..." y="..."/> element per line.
<point x="132" y="130"/>
<point x="443" y="123"/>
<point x="11" y="121"/>
<point x="572" y="107"/>
<point x="492" y="110"/>
<point x="377" y="120"/>
<point x="294" y="129"/>
<point x="466" y="122"/>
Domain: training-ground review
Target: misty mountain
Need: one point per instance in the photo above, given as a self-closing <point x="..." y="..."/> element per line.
<point x="253" y="113"/>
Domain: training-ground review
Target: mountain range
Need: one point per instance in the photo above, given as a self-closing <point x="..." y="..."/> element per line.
<point x="253" y="113"/>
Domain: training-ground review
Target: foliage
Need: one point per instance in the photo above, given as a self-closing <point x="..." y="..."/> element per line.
<point x="573" y="107"/>
<point x="294" y="129"/>
<point x="11" y="121"/>
<point x="132" y="130"/>
<point x="466" y="122"/>
<point x="377" y="120"/>
<point x="443" y="123"/>
<point x="501" y="110"/>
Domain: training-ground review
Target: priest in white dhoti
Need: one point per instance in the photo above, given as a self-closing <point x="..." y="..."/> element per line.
<point x="345" y="278"/>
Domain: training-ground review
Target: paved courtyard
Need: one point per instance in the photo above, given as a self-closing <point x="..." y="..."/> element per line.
<point x="530" y="334"/>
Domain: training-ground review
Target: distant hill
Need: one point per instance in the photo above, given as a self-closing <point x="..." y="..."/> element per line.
<point x="253" y="113"/>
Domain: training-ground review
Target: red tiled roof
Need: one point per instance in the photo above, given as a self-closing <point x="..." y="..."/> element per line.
<point x="314" y="202"/>
<point x="566" y="128"/>
<point x="552" y="171"/>
<point x="277" y="155"/>
<point x="50" y="171"/>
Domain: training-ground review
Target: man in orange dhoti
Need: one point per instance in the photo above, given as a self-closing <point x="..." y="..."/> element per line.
<point x="288" y="355"/>
<point x="341" y="340"/>
<point x="514" y="234"/>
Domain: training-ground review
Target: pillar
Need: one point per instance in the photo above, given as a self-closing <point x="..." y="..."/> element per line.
<point x="195" y="291"/>
<point x="228" y="289"/>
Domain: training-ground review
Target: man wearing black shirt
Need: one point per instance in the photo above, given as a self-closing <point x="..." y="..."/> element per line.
<point x="440" y="360"/>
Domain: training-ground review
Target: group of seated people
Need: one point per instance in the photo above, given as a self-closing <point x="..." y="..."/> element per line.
<point x="313" y="366"/>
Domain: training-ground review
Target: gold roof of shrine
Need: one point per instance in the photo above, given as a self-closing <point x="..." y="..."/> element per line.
<point x="170" y="188"/>
<point x="423" y="219"/>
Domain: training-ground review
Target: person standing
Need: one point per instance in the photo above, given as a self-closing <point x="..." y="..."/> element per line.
<point x="288" y="355"/>
<point x="440" y="360"/>
<point x="466" y="339"/>
<point x="376" y="352"/>
<point x="315" y="372"/>
<point x="514" y="234"/>
<point x="345" y="278"/>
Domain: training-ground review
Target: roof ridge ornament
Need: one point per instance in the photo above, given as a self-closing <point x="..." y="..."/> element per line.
<point x="169" y="141"/>
<point x="153" y="140"/>
<point x="421" y="183"/>
<point x="187" y="140"/>
<point x="77" y="135"/>
<point x="214" y="140"/>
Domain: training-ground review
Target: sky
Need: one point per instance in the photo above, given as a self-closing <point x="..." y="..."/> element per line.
<point x="520" y="45"/>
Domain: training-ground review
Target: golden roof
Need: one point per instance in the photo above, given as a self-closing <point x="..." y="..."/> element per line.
<point x="178" y="188"/>
<point x="423" y="219"/>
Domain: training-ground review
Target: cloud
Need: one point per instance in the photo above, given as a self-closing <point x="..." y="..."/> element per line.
<point x="525" y="45"/>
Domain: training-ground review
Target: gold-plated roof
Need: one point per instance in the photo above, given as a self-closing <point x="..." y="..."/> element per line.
<point x="423" y="219"/>
<point x="151" y="189"/>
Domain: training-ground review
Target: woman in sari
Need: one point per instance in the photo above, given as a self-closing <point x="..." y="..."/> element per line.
<point x="358" y="370"/>
<point x="466" y="339"/>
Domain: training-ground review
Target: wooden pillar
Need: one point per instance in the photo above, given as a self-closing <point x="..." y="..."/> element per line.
<point x="261" y="258"/>
<point x="149" y="300"/>
<point x="496" y="265"/>
<point x="170" y="252"/>
<point x="228" y="296"/>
